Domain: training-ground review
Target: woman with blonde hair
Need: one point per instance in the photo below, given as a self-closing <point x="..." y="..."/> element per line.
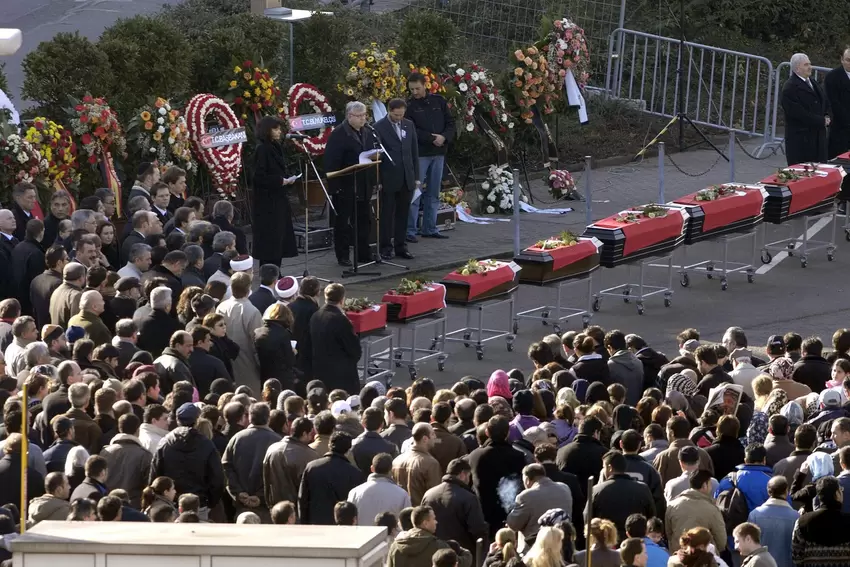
<point x="546" y="551"/>
<point x="603" y="534"/>
<point x="503" y="551"/>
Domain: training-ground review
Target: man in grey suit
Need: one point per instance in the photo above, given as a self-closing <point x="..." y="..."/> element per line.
<point x="540" y="494"/>
<point x="399" y="178"/>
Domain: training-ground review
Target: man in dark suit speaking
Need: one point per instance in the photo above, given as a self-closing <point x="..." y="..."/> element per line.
<point x="335" y="346"/>
<point x="837" y="84"/>
<point x="399" y="178"/>
<point x="806" y="114"/>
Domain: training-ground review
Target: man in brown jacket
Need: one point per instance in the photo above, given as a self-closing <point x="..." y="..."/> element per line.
<point x="416" y="471"/>
<point x="91" y="306"/>
<point x="447" y="445"/>
<point x="667" y="461"/>
<point x="285" y="462"/>
<point x="693" y="508"/>
<point x="86" y="432"/>
<point x="128" y="462"/>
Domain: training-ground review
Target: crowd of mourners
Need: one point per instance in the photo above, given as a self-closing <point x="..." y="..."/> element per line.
<point x="147" y="378"/>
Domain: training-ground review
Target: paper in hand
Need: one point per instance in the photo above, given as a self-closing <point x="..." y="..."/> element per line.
<point x="293" y="178"/>
<point x="366" y="157"/>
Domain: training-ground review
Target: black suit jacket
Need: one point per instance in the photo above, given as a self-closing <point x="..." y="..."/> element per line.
<point x="163" y="218"/>
<point x="41" y="288"/>
<point x="7" y="280"/>
<point x="343" y="149"/>
<point x="805" y="127"/>
<point x="403" y="171"/>
<point x="21" y="220"/>
<point x="241" y="239"/>
<point x="262" y="299"/>
<point x="335" y="349"/>
<point x="27" y="264"/>
<point x="133" y="238"/>
<point x="837" y="86"/>
<point x="212" y="264"/>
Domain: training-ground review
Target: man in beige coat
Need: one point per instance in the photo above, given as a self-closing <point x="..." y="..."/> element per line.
<point x="416" y="470"/>
<point x="242" y="319"/>
<point x="693" y="508"/>
<point x="540" y="494"/>
<point x="285" y="461"/>
<point x="667" y="461"/>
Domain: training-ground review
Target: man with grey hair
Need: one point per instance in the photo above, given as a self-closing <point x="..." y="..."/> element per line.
<point x="134" y="204"/>
<point x="735" y="338"/>
<point x="87" y="432"/>
<point x="138" y="261"/>
<point x="351" y="193"/>
<point x="222" y="241"/>
<point x="24" y="332"/>
<point x="35" y="354"/>
<point x="8" y="241"/>
<point x="837" y="88"/>
<point x="195" y="231"/>
<point x="84" y="219"/>
<point x="145" y="223"/>
<point x="88" y="319"/>
<point x="156" y="326"/>
<point x="222" y="216"/>
<point x="194" y="272"/>
<point x="23" y="202"/>
<point x="65" y="301"/>
<point x="806" y="111"/>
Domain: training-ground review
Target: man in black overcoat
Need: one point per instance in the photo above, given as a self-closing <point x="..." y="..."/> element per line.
<point x="806" y="110"/>
<point x="335" y="347"/>
<point x="351" y="193"/>
<point x="399" y="178"/>
<point x="837" y="85"/>
<point x="8" y="242"/>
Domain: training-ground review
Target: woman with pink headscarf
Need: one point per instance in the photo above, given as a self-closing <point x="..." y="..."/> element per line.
<point x="499" y="385"/>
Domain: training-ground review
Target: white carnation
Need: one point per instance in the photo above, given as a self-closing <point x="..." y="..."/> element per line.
<point x="485" y="185"/>
<point x="490" y="210"/>
<point x="504" y="117"/>
<point x="170" y="140"/>
<point x="463" y="87"/>
<point x="510" y="124"/>
<point x="153" y="150"/>
<point x="470" y="127"/>
<point x="460" y="72"/>
<point x="475" y="76"/>
<point x="491" y="196"/>
<point x="161" y="130"/>
<point x="162" y="111"/>
<point x="491" y="97"/>
<point x="160" y="120"/>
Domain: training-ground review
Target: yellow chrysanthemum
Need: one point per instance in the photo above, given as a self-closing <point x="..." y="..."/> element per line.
<point x="146" y="115"/>
<point x="246" y="94"/>
<point x="252" y="82"/>
<point x="232" y="84"/>
<point x="237" y="69"/>
<point x="361" y="64"/>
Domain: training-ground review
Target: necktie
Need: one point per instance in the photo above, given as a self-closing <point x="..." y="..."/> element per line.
<point x="397" y="129"/>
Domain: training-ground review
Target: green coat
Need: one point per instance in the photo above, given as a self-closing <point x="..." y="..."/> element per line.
<point x="95" y="329"/>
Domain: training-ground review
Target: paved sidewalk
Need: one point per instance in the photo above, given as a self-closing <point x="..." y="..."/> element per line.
<point x="613" y="189"/>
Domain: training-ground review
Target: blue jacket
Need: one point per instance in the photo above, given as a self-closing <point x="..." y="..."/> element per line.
<point x="752" y="482"/>
<point x="657" y="556"/>
<point x="844" y="481"/>
<point x="776" y="518"/>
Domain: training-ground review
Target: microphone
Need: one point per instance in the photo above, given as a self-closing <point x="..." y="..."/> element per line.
<point x="296" y="137"/>
<point x="369" y="126"/>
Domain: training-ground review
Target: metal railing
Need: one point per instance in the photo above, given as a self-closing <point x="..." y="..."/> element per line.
<point x="783" y="72"/>
<point x="723" y="89"/>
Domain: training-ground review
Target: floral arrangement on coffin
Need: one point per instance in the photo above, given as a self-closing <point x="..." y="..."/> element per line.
<point x="714" y="192"/>
<point x="472" y="89"/>
<point x="567" y="49"/>
<point x="786" y="175"/>
<point x="19" y="160"/>
<point x="409" y="287"/>
<point x="644" y="212"/>
<point x="566" y="238"/>
<point x="433" y="84"/>
<point x="478" y="267"/>
<point x="451" y="196"/>
<point x="98" y="128"/>
<point x="57" y="147"/>
<point x="252" y="90"/>
<point x="374" y="75"/>
<point x="497" y="191"/>
<point x="304" y="93"/>
<point x="561" y="184"/>
<point x="531" y="82"/>
<point x="357" y="304"/>
<point x="162" y="135"/>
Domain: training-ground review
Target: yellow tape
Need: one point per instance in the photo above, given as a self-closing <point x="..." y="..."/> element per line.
<point x="656" y="138"/>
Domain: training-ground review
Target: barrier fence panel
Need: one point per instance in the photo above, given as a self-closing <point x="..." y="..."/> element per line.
<point x="724" y="89"/>
<point x="783" y="73"/>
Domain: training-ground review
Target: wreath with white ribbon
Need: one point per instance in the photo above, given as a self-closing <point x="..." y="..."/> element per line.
<point x="305" y="93"/>
<point x="223" y="162"/>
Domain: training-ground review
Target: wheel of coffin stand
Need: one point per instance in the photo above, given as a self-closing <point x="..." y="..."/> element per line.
<point x="766" y="257"/>
<point x="640" y="308"/>
<point x="516" y="327"/>
<point x="724" y="284"/>
<point x="804" y="262"/>
<point x="479" y="353"/>
<point x="556" y="328"/>
<point x="585" y="320"/>
<point x="596" y="305"/>
<point x="685" y="280"/>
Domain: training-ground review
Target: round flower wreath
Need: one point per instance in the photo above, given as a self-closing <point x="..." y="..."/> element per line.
<point x="305" y="93"/>
<point x="224" y="162"/>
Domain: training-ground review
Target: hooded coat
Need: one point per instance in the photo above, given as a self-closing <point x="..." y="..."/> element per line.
<point x="625" y="368"/>
<point x="47" y="507"/>
<point x="414" y="549"/>
<point x="129" y="465"/>
<point x="192" y="462"/>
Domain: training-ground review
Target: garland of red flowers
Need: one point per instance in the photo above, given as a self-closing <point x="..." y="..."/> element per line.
<point x="223" y="162"/>
<point x="305" y="93"/>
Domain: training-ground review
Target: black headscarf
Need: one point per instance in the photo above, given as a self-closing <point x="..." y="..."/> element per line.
<point x="596" y="392"/>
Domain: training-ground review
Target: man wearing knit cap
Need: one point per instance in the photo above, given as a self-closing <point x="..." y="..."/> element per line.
<point x="265" y="295"/>
<point x="126" y="300"/>
<point x="57" y="343"/>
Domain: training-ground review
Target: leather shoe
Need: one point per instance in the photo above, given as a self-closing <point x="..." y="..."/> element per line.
<point x="405" y="254"/>
<point x="344" y="262"/>
<point x="386" y="256"/>
<point x="412" y="239"/>
<point x="435" y="235"/>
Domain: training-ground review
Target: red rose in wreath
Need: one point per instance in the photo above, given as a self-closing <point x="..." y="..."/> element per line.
<point x="304" y="93"/>
<point x="223" y="162"/>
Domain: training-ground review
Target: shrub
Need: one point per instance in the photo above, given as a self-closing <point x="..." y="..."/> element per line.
<point x="4" y="82"/>
<point x="148" y="56"/>
<point x="67" y="65"/>
<point x="427" y="39"/>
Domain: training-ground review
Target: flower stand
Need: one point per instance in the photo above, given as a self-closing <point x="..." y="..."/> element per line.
<point x="567" y="266"/>
<point x="368" y="320"/>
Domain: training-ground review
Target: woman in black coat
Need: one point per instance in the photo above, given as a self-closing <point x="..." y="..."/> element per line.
<point x="273" y="343"/>
<point x="589" y="366"/>
<point x="275" y="236"/>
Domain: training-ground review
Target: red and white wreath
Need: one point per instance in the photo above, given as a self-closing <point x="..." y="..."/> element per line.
<point x="305" y="93"/>
<point x="223" y="162"/>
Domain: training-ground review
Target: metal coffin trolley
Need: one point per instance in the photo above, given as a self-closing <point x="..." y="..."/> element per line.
<point x="413" y="312"/>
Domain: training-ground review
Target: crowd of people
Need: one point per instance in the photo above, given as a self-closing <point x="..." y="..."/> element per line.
<point x="150" y="380"/>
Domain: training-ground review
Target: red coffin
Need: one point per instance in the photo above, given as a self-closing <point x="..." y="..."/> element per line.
<point x="645" y="232"/>
<point x="369" y="319"/>
<point x="810" y="191"/>
<point x="565" y="255"/>
<point x="419" y="303"/>
<point x="728" y="209"/>
<point x="479" y="284"/>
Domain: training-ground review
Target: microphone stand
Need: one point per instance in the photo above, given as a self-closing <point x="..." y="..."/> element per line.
<point x="307" y="207"/>
<point x="378" y="260"/>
